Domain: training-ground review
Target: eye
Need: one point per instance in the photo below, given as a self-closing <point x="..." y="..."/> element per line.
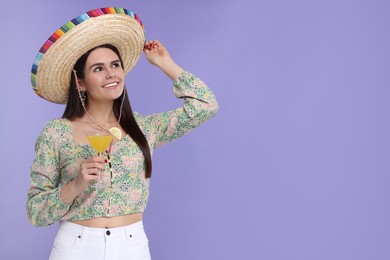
<point x="116" y="65"/>
<point x="97" y="69"/>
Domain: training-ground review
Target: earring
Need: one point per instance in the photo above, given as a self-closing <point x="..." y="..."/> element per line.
<point x="83" y="96"/>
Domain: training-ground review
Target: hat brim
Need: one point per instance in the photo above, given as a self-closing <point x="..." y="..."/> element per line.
<point x="53" y="67"/>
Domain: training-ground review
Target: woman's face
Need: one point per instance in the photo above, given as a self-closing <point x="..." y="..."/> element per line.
<point x="103" y="76"/>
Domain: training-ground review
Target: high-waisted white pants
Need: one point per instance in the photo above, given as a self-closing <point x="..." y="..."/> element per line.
<point x="76" y="242"/>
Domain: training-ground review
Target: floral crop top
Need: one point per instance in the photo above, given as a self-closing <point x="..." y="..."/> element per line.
<point x="58" y="159"/>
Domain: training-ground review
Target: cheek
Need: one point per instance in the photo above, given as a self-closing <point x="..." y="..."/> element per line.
<point x="92" y="82"/>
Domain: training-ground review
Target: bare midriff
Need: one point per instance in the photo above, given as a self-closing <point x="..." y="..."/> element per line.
<point x="111" y="222"/>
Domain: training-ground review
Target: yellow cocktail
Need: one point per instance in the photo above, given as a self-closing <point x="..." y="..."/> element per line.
<point x="100" y="143"/>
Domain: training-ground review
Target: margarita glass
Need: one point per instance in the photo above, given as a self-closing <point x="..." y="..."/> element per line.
<point x="100" y="142"/>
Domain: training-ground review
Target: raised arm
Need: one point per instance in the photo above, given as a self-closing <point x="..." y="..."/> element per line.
<point x="199" y="106"/>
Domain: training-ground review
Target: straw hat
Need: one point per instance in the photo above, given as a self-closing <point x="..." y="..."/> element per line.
<point x="51" y="71"/>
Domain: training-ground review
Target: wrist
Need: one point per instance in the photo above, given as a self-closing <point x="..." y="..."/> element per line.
<point x="78" y="185"/>
<point x="165" y="62"/>
<point x="71" y="190"/>
<point x="171" y="69"/>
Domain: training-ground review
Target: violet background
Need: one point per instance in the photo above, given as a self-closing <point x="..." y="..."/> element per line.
<point x="294" y="166"/>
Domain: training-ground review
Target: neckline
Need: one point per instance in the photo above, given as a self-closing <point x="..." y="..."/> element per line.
<point x="68" y="124"/>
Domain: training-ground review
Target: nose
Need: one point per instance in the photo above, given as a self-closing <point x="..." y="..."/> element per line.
<point x="110" y="73"/>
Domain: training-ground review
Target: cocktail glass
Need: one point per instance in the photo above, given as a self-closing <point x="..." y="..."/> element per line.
<point x="100" y="142"/>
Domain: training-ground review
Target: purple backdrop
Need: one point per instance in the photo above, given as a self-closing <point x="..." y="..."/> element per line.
<point x="295" y="165"/>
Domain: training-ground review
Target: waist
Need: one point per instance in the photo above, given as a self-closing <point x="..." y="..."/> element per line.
<point x="75" y="230"/>
<point x="110" y="222"/>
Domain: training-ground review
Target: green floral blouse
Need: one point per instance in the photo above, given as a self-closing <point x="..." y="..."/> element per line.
<point x="58" y="159"/>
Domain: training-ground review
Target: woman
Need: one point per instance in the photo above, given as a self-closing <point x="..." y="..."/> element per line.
<point x="84" y="64"/>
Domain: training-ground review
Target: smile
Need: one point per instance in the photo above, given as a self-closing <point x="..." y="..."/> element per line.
<point x="111" y="85"/>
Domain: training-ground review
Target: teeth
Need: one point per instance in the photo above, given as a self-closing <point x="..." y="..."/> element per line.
<point x="110" y="85"/>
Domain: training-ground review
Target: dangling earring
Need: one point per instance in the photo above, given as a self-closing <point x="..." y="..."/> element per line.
<point x="83" y="96"/>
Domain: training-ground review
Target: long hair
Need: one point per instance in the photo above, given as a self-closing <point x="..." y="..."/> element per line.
<point x="128" y="123"/>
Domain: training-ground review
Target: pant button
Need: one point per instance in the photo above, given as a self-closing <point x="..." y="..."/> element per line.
<point x="108" y="232"/>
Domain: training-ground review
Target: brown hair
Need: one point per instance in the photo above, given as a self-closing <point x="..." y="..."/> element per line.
<point x="74" y="108"/>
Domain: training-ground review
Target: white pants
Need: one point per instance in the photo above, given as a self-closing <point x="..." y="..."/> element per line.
<point x="76" y="242"/>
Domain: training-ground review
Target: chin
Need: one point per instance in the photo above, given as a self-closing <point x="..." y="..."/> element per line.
<point x="117" y="96"/>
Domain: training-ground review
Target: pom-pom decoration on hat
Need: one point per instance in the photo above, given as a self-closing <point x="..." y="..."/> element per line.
<point x="52" y="68"/>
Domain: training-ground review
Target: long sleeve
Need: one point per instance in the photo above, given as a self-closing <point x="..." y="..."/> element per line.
<point x="200" y="105"/>
<point x="44" y="205"/>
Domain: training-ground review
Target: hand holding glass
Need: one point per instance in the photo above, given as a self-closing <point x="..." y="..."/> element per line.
<point x="100" y="143"/>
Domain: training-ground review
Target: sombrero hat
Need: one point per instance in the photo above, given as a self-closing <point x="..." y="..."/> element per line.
<point x="51" y="71"/>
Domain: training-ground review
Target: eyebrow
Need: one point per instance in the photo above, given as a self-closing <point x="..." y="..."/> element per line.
<point x="101" y="63"/>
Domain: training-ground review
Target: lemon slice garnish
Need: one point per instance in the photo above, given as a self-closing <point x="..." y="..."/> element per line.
<point x="116" y="132"/>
